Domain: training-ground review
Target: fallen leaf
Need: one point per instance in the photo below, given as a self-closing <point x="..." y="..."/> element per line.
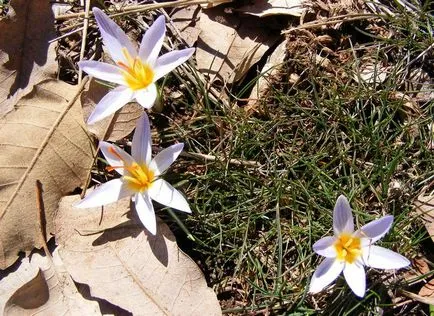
<point x="428" y="289"/>
<point x="43" y="139"/>
<point x="228" y="46"/>
<point x="121" y="263"/>
<point x="267" y="76"/>
<point x="424" y="205"/>
<point x="371" y="73"/>
<point x="263" y="8"/>
<point x="42" y="287"/>
<point x="186" y="20"/>
<point x="114" y="127"/>
<point x="214" y="3"/>
<point x="26" y="57"/>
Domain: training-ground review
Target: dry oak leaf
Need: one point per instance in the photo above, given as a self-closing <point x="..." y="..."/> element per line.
<point x="114" y="127"/>
<point x="26" y="57"/>
<point x="121" y="263"/>
<point x="263" y="8"/>
<point x="43" y="139"/>
<point x="229" y="46"/>
<point x="424" y="205"/>
<point x="42" y="286"/>
<point x="186" y="20"/>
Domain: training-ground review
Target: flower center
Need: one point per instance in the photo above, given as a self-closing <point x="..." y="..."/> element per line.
<point x="138" y="177"/>
<point x="348" y="248"/>
<point x="138" y="75"/>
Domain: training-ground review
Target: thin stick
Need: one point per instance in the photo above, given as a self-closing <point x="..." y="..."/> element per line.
<point x="41" y="217"/>
<point x="84" y="37"/>
<point x="238" y="162"/>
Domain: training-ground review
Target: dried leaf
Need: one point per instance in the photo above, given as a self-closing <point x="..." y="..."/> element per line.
<point x="428" y="289"/>
<point x="228" y="47"/>
<point x="371" y="73"/>
<point x="214" y="3"/>
<point x="114" y="127"/>
<point x="267" y="76"/>
<point x="121" y="263"/>
<point x="26" y="57"/>
<point x="43" y="139"/>
<point x="424" y="205"/>
<point x="186" y="20"/>
<point x="42" y="287"/>
<point x="263" y="8"/>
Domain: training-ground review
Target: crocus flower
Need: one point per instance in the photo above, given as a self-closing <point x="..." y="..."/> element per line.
<point x="140" y="177"/>
<point x="350" y="250"/>
<point x="134" y="72"/>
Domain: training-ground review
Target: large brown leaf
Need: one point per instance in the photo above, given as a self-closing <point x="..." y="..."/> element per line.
<point x="424" y="205"/>
<point x="42" y="287"/>
<point x="43" y="139"/>
<point x="228" y="46"/>
<point x="121" y="263"/>
<point x="26" y="57"/>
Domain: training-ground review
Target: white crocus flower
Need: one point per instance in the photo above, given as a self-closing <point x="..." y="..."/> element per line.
<point x="134" y="72"/>
<point x="350" y="250"/>
<point x="140" y="177"/>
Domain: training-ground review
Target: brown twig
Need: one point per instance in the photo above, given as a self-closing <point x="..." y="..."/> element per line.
<point x="41" y="217"/>
<point x="84" y="37"/>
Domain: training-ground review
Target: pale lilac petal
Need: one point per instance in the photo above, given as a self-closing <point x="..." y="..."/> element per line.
<point x="141" y="147"/>
<point x="325" y="247"/>
<point x="342" y="217"/>
<point x="145" y="211"/>
<point x="152" y="41"/>
<point x="102" y="71"/>
<point x="106" y="193"/>
<point x="354" y="274"/>
<point x="170" y="61"/>
<point x="110" y="103"/>
<point x="146" y="97"/>
<point x="325" y="274"/>
<point x="115" y="156"/>
<point x="382" y="258"/>
<point x="165" y="158"/>
<point x="114" y="38"/>
<point x="162" y="192"/>
<point x="375" y="230"/>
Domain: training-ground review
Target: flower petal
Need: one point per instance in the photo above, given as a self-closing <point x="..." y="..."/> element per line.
<point x="110" y="103"/>
<point x="165" y="158"/>
<point x="162" y="192"/>
<point x="170" y="61"/>
<point x="375" y="230"/>
<point x="325" y="274"/>
<point x="342" y="217"/>
<point x="102" y="71"/>
<point x="152" y="41"/>
<point x="354" y="274"/>
<point x="146" y="97"/>
<point x="114" y="38"/>
<point x="382" y="258"/>
<point x="115" y="156"/>
<point x="141" y="147"/>
<point x="325" y="247"/>
<point x="106" y="193"/>
<point x="145" y="211"/>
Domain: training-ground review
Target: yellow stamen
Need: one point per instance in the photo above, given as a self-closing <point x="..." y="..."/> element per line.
<point x="138" y="75"/>
<point x="348" y="248"/>
<point x="138" y="178"/>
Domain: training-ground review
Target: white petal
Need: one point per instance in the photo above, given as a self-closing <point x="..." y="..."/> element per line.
<point x="355" y="276"/>
<point x="106" y="193"/>
<point x="170" y="61"/>
<point x="146" y="97"/>
<point x="382" y="258"/>
<point x="146" y="213"/>
<point x="325" y="274"/>
<point x="102" y="71"/>
<point x="165" y="158"/>
<point x="114" y="38"/>
<point x="325" y="247"/>
<point x="111" y="102"/>
<point x="342" y="217"/>
<point x="152" y="41"/>
<point x="141" y="147"/>
<point x="116" y="159"/>
<point x="375" y="230"/>
<point x="162" y="192"/>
